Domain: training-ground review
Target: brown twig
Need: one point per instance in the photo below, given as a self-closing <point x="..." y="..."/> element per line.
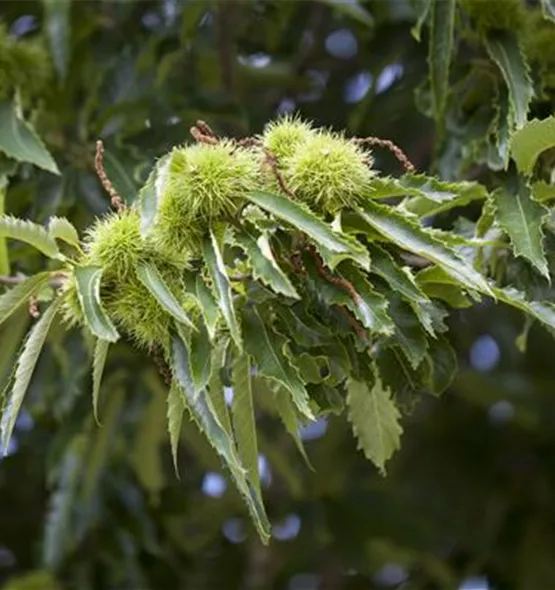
<point x="327" y="276"/>
<point x="199" y="135"/>
<point x="117" y="202"/>
<point x="393" y="148"/>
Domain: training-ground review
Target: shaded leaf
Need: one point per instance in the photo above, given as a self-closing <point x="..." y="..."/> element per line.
<point x="522" y="219"/>
<point x="13" y="298"/>
<point x="176" y="408"/>
<point x="151" y="278"/>
<point x="304" y="220"/>
<point x="200" y="357"/>
<point x="423" y="11"/>
<point x="548" y="8"/>
<point x="543" y="311"/>
<point x="60" y="228"/>
<point x="19" y="141"/>
<point x="58" y="30"/>
<point x="218" y="274"/>
<point x="269" y="350"/>
<point x="352" y="9"/>
<point x="408" y="335"/>
<point x="375" y="420"/>
<point x="442" y="25"/>
<point x="440" y="365"/>
<point x="99" y="361"/>
<point x="503" y="48"/>
<point x="244" y="425"/>
<point x="528" y="143"/>
<point x="264" y="265"/>
<point x="408" y="235"/>
<point x="30" y="233"/>
<point x="88" y="280"/>
<point x="202" y="412"/>
<point x="24" y="371"/>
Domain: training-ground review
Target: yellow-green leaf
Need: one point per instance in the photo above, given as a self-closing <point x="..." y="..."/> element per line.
<point x="528" y="143"/>
<point x="30" y="233"/>
<point x="99" y="360"/>
<point x="13" y="298"/>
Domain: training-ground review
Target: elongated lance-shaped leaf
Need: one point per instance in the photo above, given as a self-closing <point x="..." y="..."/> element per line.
<point x="216" y="268"/>
<point x="19" y="141"/>
<point x="24" y="371"/>
<point x="99" y="360"/>
<point x="375" y="420"/>
<point x="57" y="22"/>
<point x="244" y="425"/>
<point x="216" y="389"/>
<point x="442" y="26"/>
<point x="503" y="48"/>
<point x="208" y="307"/>
<point x="409" y="334"/>
<point x="88" y="280"/>
<point x="412" y="237"/>
<point x="60" y="228"/>
<point x="176" y="409"/>
<point x="31" y="233"/>
<point x="200" y="357"/>
<point x="522" y="219"/>
<point x="4" y="256"/>
<point x="401" y="280"/>
<point x="59" y="523"/>
<point x="151" y="194"/>
<point x="201" y="410"/>
<point x="11" y="300"/>
<point x="304" y="220"/>
<point x="528" y="143"/>
<point x="548" y="8"/>
<point x="264" y="265"/>
<point x="151" y="278"/>
<point x="542" y="311"/>
<point x="269" y="350"/>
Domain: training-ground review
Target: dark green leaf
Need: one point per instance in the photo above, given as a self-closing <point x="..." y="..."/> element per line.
<point x="19" y="141"/>
<point x="88" y="290"/>
<point x="218" y="274"/>
<point x="200" y="357"/>
<point x="58" y="29"/>
<point x="176" y="408"/>
<point x="273" y="360"/>
<point x="99" y="360"/>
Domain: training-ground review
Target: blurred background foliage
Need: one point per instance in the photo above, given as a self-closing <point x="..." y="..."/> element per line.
<point x="466" y="504"/>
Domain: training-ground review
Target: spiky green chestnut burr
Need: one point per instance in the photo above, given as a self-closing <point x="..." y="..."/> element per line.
<point x="328" y="172"/>
<point x="206" y="182"/>
<point x="115" y="243"/>
<point x="283" y="136"/>
<point x="72" y="314"/>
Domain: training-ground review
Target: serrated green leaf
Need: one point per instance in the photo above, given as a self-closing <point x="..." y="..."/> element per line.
<point x="13" y="298"/>
<point x="375" y="420"/>
<point x="403" y="282"/>
<point x="548" y="9"/>
<point x="528" y="143"/>
<point x="408" y="335"/>
<point x="216" y="389"/>
<point x="176" y="409"/>
<point x="264" y="265"/>
<point x="304" y="220"/>
<point x="440" y="52"/>
<point x="216" y="268"/>
<point x="504" y="50"/>
<point x="440" y="365"/>
<point x="151" y="194"/>
<point x="4" y="256"/>
<point x="24" y="371"/>
<point x="543" y="311"/>
<point x="313" y="369"/>
<point x="99" y="361"/>
<point x="352" y="9"/>
<point x="88" y="280"/>
<point x="60" y="228"/>
<point x="522" y="219"/>
<point x="542" y="191"/>
<point x="30" y="233"/>
<point x="58" y="30"/>
<point x="407" y="234"/>
<point x="19" y="141"/>
<point x="244" y="425"/>
<point x="200" y="357"/>
<point x="268" y="349"/>
<point x="151" y="278"/>
<point x="202" y="412"/>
